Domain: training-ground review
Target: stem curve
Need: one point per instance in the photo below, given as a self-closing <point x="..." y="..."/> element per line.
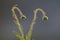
<point x="17" y="20"/>
<point x="28" y="36"/>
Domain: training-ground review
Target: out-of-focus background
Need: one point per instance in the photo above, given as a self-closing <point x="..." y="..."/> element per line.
<point x="49" y="30"/>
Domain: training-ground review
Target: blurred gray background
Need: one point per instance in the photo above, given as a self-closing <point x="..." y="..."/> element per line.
<point x="49" y="30"/>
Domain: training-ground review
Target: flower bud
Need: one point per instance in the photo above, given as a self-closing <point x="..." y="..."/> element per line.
<point x="23" y="17"/>
<point x="45" y="18"/>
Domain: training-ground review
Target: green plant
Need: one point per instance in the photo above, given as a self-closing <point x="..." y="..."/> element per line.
<point x="16" y="20"/>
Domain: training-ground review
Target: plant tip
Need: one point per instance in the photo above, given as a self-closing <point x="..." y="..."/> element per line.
<point x="23" y="17"/>
<point x="45" y="18"/>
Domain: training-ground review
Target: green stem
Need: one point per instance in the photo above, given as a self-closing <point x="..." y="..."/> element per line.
<point x="17" y="20"/>
<point x="28" y="36"/>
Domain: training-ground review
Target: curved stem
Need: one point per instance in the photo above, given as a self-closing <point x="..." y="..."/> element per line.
<point x="28" y="36"/>
<point x="17" y="20"/>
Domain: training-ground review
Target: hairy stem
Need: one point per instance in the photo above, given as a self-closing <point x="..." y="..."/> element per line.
<point x="28" y="36"/>
<point x="17" y="20"/>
